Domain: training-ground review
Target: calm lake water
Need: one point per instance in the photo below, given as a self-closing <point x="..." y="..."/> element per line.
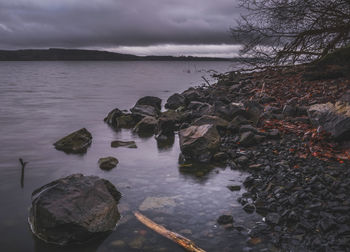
<point x="41" y="102"/>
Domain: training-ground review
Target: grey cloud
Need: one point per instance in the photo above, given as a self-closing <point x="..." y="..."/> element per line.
<point x="107" y="23"/>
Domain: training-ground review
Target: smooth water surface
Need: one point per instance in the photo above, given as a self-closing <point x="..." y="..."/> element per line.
<point x="41" y="102"/>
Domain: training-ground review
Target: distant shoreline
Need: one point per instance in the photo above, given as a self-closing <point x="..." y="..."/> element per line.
<point x="55" y="54"/>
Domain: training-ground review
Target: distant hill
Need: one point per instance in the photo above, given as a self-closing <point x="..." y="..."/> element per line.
<point x="55" y="54"/>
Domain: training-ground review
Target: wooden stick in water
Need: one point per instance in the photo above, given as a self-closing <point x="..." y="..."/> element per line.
<point x="177" y="238"/>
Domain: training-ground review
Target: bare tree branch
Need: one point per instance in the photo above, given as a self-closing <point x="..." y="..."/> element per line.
<point x="291" y="31"/>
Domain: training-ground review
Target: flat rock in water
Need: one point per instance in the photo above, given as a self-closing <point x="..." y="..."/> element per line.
<point x="127" y="144"/>
<point x="74" y="209"/>
<point x="151" y="203"/>
<point x="76" y="142"/>
<point x="107" y="163"/>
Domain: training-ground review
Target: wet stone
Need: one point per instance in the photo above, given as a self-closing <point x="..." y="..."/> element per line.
<point x="127" y="144"/>
<point x="234" y="187"/>
<point x="225" y="219"/>
<point x="107" y="163"/>
<point x="76" y="142"/>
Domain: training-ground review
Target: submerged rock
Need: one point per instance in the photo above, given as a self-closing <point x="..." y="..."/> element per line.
<point x="107" y="163"/>
<point x="74" y="209"/>
<point x="234" y="187"/>
<point x="225" y="219"/>
<point x="76" y="142"/>
<point x="151" y="203"/>
<point x="127" y="144"/>
<point x="333" y="118"/>
<point x="199" y="143"/>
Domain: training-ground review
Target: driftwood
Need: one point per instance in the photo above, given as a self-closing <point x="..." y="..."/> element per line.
<point x="177" y="238"/>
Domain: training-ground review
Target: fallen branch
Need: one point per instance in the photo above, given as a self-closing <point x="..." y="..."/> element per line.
<point x="177" y="238"/>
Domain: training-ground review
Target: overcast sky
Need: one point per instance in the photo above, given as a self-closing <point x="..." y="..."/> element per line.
<point x="143" y="27"/>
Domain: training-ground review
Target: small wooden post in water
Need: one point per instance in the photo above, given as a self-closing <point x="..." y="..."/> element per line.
<point x="22" y="171"/>
<point x="175" y="237"/>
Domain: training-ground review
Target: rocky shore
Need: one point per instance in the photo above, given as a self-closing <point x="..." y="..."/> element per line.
<point x="288" y="127"/>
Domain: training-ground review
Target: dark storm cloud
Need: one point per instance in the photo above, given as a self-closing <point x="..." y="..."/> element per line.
<point x="113" y="23"/>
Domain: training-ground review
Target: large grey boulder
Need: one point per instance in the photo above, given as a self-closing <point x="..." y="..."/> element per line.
<point x="175" y="101"/>
<point x="150" y="101"/>
<point x="74" y="209"/>
<point x="333" y="118"/>
<point x="199" y="143"/>
<point x="76" y="142"/>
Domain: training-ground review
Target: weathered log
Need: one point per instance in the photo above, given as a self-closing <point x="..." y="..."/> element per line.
<point x="175" y="237"/>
